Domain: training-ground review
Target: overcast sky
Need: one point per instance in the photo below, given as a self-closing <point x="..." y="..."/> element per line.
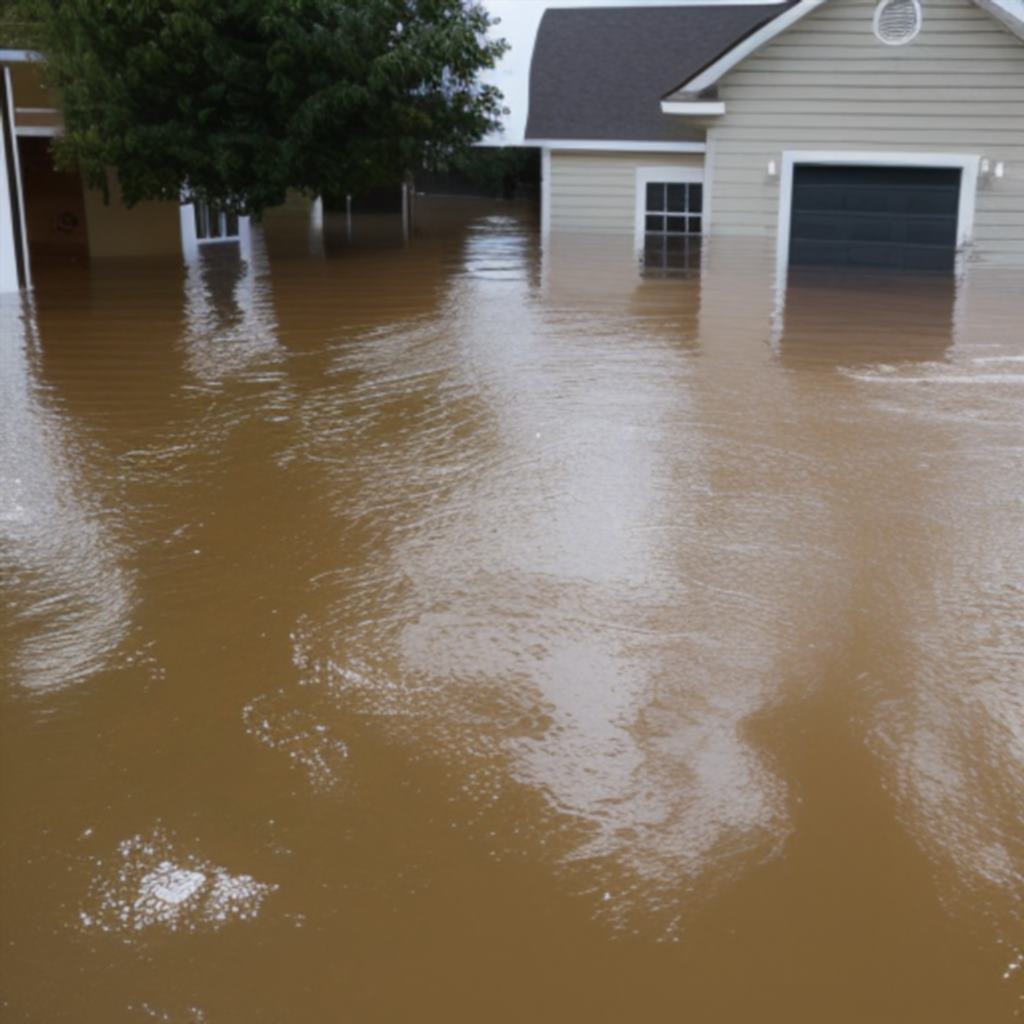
<point x="519" y="21"/>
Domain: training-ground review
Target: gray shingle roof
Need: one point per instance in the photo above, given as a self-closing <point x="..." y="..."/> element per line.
<point x="600" y="72"/>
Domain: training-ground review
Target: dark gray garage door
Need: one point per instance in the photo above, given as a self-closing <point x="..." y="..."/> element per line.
<point x="900" y="217"/>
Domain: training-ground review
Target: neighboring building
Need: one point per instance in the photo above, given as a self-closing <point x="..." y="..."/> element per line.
<point x="851" y="132"/>
<point x="46" y="215"/>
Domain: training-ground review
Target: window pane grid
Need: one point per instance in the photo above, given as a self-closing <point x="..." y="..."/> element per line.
<point x="674" y="208"/>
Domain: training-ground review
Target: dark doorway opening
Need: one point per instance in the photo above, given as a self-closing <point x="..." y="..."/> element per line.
<point x="54" y="207"/>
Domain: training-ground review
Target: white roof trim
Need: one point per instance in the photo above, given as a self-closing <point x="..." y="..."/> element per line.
<point x="709" y="108"/>
<point x="714" y="71"/>
<point x="19" y="56"/>
<point x="1009" y="12"/>
<point x="618" y="145"/>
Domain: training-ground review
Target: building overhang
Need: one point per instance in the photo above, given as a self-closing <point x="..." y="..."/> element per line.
<point x="19" y="56"/>
<point x="618" y="145"/>
<point x="693" y="107"/>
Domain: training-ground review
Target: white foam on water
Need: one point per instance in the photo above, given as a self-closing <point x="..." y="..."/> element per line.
<point x="150" y="883"/>
<point x="290" y="721"/>
<point x="980" y="378"/>
<point x="170" y="885"/>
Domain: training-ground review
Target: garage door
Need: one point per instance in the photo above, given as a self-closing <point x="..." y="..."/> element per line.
<point x="899" y="217"/>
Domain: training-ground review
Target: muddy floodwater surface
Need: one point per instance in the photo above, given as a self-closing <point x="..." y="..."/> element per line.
<point x="477" y="630"/>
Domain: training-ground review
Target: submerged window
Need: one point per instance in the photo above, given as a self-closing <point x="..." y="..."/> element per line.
<point x="670" y="255"/>
<point x="213" y="225"/>
<point x="673" y="208"/>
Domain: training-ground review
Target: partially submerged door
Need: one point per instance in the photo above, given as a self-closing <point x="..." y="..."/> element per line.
<point x="54" y="206"/>
<point x="899" y="217"/>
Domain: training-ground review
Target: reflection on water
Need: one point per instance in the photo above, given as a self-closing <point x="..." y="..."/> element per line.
<point x="66" y="590"/>
<point x="229" y="310"/>
<point x="671" y="255"/>
<point x="888" y="319"/>
<point x="512" y="622"/>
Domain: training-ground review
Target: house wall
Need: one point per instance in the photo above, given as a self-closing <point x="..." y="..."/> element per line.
<point x="596" y="192"/>
<point x="115" y="231"/>
<point x="828" y="83"/>
<point x="29" y="89"/>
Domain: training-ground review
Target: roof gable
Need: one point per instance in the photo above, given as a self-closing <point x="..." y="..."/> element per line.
<point x="597" y="73"/>
<point x="1010" y="13"/>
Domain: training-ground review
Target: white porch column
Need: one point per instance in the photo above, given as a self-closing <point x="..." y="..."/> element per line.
<point x="14" y="272"/>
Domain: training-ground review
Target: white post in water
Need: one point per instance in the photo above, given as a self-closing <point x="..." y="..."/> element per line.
<point x="14" y="272"/>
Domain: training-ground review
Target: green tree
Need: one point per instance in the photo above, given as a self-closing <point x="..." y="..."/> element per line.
<point x="235" y="101"/>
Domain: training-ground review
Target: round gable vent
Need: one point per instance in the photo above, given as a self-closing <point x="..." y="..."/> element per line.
<point x="897" y="21"/>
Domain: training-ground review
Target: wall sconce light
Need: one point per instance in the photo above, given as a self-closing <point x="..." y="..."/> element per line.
<point x="993" y="170"/>
<point x="773" y="169"/>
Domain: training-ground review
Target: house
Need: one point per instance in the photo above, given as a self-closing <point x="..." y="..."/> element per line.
<point x="47" y="215"/>
<point x="843" y="132"/>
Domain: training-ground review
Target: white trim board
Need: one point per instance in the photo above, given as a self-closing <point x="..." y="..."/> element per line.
<point x="38" y="131"/>
<point x="667" y="173"/>
<point x="15" y="186"/>
<point x="9" y="209"/>
<point x="617" y="146"/>
<point x="545" y="192"/>
<point x="709" y="108"/>
<point x="1009" y="13"/>
<point x="19" y="56"/>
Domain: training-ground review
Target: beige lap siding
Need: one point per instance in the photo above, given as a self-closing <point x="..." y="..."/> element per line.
<point x="827" y="83"/>
<point x="596" y="192"/>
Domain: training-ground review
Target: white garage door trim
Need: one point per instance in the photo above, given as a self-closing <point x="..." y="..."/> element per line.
<point x="968" y="165"/>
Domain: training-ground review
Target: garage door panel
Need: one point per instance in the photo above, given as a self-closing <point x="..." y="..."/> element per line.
<point x="867" y="254"/>
<point x="930" y="232"/>
<point x="875" y="216"/>
<point x="866" y="200"/>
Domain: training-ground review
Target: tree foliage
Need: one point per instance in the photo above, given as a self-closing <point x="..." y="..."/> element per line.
<point x="235" y="101"/>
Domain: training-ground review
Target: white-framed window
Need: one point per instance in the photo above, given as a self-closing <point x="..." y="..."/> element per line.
<point x="203" y="224"/>
<point x="213" y="225"/>
<point x="673" y="208"/>
<point x="670" y="216"/>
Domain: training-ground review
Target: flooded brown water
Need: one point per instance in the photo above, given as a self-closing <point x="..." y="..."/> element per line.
<point x="462" y="631"/>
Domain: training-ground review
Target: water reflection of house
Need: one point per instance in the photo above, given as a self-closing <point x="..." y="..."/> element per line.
<point x="850" y="132"/>
<point x="884" y="319"/>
